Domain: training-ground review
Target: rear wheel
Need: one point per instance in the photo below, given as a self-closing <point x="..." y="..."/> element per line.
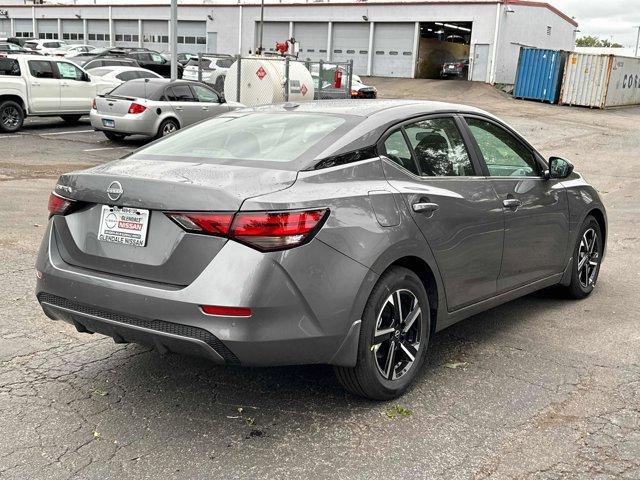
<point x="70" y="118"/>
<point x="116" y="137"/>
<point x="587" y="256"/>
<point x="167" y="127"/>
<point x="393" y="337"/>
<point x="11" y="116"/>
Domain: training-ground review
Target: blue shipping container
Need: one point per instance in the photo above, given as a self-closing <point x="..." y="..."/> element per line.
<point x="539" y="74"/>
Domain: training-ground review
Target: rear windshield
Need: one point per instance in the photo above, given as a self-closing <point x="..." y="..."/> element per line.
<point x="254" y="138"/>
<point x="206" y="63"/>
<point x="99" y="71"/>
<point x="134" y="89"/>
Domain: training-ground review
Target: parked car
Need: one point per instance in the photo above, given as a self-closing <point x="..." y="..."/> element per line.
<point x="458" y="68"/>
<point x="123" y="74"/>
<point x="33" y="85"/>
<point x="45" y="47"/>
<point x="72" y="50"/>
<point x="8" y="47"/>
<point x="148" y="59"/>
<point x="214" y="70"/>
<point x="20" y="40"/>
<point x="341" y="233"/>
<point x="89" y="62"/>
<point x="360" y="90"/>
<point x="155" y="107"/>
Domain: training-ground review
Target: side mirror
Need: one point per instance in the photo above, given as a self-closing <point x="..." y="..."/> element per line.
<point x="559" y="168"/>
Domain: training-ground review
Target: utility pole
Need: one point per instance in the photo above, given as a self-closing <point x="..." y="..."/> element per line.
<point x="173" y="41"/>
<point x="261" y="26"/>
<point x="637" y="40"/>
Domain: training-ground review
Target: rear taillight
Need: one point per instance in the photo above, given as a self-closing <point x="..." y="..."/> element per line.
<point x="59" y="205"/>
<point x="265" y="231"/>
<point x="93" y="105"/>
<point x="136" y="108"/>
<point x="226" y="311"/>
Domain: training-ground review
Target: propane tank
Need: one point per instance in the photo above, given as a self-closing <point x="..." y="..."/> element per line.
<point x="262" y="81"/>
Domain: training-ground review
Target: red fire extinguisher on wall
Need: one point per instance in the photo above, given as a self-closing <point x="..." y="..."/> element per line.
<point x="337" y="79"/>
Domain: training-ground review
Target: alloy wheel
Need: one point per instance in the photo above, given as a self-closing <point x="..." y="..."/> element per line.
<point x="588" y="258"/>
<point x="10" y="117"/>
<point x="397" y="334"/>
<point x="170" y="127"/>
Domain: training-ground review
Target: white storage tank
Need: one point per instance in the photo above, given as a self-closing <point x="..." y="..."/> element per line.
<point x="600" y="81"/>
<point x="262" y="81"/>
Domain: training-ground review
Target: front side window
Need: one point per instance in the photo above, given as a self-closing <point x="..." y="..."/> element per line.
<point x="179" y="93"/>
<point x="69" y="71"/>
<point x="396" y="149"/>
<point x="203" y="94"/>
<point x="41" y="69"/>
<point x="503" y="153"/>
<point x="157" y="58"/>
<point x="439" y="148"/>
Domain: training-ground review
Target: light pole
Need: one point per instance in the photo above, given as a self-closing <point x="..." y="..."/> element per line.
<point x="261" y="26"/>
<point x="173" y="41"/>
<point x="637" y="40"/>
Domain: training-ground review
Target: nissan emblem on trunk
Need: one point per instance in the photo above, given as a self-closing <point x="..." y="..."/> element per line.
<point x="114" y="190"/>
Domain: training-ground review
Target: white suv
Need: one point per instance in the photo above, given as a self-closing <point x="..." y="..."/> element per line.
<point x="214" y="70"/>
<point x="44" y="47"/>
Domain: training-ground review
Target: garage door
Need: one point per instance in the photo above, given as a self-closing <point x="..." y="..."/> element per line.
<point x="72" y="31"/>
<point x="23" y="27"/>
<point x="126" y="33"/>
<point x="392" y="49"/>
<point x="155" y="34"/>
<point x="192" y="37"/>
<point x="98" y="32"/>
<point x="351" y="42"/>
<point x="5" y="27"/>
<point x="312" y="38"/>
<point x="47" y="28"/>
<point x="274" y="32"/>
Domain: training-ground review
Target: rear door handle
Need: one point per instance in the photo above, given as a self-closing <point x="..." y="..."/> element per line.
<point x="425" y="207"/>
<point x="512" y="203"/>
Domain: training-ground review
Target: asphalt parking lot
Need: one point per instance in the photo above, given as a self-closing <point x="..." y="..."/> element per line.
<point x="540" y="388"/>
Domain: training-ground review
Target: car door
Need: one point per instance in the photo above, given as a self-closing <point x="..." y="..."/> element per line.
<point x="535" y="208"/>
<point x="208" y="101"/>
<point x="454" y="206"/>
<point x="76" y="89"/>
<point x="44" y="86"/>
<point x="184" y="103"/>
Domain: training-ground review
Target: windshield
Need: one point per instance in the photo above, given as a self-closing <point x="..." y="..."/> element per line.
<point x="257" y="137"/>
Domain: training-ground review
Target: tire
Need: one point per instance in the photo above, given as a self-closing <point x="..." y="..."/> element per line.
<point x="587" y="257"/>
<point x="11" y="116"/>
<point x="115" y="137"/>
<point x="167" y="127"/>
<point x="70" y="118"/>
<point x="375" y="377"/>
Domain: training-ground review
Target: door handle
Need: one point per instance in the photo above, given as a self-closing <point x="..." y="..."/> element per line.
<point x="512" y="203"/>
<point x="179" y="109"/>
<point x="425" y="207"/>
<point x="205" y="108"/>
<point x="35" y="84"/>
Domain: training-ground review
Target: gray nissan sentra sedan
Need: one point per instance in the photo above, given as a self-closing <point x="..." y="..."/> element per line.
<point x="336" y="232"/>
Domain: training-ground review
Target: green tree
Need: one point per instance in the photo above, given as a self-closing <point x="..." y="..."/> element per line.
<point x="590" y="41"/>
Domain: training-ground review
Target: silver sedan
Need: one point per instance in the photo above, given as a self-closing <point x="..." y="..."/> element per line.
<point x="155" y="107"/>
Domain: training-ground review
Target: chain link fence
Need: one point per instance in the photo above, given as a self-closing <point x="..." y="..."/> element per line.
<point x="262" y="80"/>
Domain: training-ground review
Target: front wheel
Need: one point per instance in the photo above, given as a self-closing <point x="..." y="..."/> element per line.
<point x="393" y="337"/>
<point x="587" y="256"/>
<point x="11" y="116"/>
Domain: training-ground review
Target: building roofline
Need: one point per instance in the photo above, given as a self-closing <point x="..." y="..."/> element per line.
<point x="525" y="3"/>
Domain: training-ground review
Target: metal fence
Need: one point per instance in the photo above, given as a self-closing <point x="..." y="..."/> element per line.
<point x="262" y="80"/>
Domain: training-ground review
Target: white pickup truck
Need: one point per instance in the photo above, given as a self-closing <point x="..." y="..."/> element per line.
<point x="41" y="86"/>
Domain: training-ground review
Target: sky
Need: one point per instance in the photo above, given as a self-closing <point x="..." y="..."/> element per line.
<point x="610" y="19"/>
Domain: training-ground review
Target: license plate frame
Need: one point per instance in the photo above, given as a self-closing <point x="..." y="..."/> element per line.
<point x="124" y="225"/>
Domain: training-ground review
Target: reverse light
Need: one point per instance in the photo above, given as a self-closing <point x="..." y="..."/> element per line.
<point x="58" y="205"/>
<point x="136" y="108"/>
<point x="264" y="231"/>
<point x="226" y="311"/>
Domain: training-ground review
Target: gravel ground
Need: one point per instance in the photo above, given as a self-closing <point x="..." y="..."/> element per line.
<point x="542" y="387"/>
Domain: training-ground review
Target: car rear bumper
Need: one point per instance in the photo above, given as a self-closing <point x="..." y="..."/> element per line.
<point x="141" y="124"/>
<point x="295" y="319"/>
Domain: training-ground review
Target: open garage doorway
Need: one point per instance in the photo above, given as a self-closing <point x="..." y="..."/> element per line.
<point x="443" y="50"/>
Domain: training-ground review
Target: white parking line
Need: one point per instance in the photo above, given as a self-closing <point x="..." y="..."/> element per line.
<point x="103" y="148"/>
<point x="9" y="136"/>
<point x="66" y="133"/>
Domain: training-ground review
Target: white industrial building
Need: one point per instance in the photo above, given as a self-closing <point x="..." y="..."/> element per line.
<point x="383" y="38"/>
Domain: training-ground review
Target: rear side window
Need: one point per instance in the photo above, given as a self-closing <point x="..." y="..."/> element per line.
<point x="439" y="148"/>
<point x="10" y="67"/>
<point x="396" y="149"/>
<point x="41" y="69"/>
